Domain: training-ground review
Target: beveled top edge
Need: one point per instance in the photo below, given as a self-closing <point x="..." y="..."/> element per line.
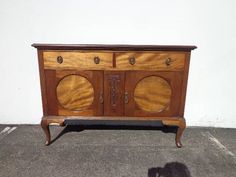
<point x="115" y="47"/>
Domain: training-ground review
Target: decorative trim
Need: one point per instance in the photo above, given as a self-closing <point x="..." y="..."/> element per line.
<point x="113" y="79"/>
<point x="117" y="47"/>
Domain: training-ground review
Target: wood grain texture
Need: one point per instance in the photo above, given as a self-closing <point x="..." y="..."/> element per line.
<point x="95" y="78"/>
<point x="150" y="61"/>
<point x="174" y="80"/>
<point x="52" y="79"/>
<point x="77" y="60"/>
<point x="50" y="83"/>
<point x="152" y="94"/>
<point x="75" y="92"/>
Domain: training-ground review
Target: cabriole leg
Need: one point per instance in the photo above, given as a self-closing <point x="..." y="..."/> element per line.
<point x="45" y="127"/>
<point x="46" y="121"/>
<point x="181" y="128"/>
<point x="180" y="123"/>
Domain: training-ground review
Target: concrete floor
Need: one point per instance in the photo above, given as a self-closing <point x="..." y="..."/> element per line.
<point x="97" y="151"/>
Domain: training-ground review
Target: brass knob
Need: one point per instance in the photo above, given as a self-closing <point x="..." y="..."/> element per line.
<point x="59" y="59"/>
<point x="132" y="61"/>
<point x="168" y="61"/>
<point x="126" y="98"/>
<point x="96" y="60"/>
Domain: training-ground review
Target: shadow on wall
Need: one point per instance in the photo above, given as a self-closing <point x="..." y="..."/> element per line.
<point x="172" y="169"/>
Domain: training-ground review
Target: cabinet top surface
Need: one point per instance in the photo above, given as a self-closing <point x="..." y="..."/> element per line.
<point x="115" y="47"/>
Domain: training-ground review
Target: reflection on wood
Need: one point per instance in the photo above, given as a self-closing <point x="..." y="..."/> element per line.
<point x="152" y="94"/>
<point x="75" y="93"/>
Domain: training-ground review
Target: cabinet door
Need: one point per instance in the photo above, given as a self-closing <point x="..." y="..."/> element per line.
<point x="152" y="93"/>
<point x="74" y="92"/>
<point x="114" y="82"/>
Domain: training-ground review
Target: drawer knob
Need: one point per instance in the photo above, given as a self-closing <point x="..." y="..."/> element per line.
<point x="96" y="60"/>
<point x="59" y="59"/>
<point x="168" y="61"/>
<point x="132" y="61"/>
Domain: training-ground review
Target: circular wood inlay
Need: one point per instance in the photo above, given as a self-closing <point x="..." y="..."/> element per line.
<point x="75" y="92"/>
<point x="152" y="94"/>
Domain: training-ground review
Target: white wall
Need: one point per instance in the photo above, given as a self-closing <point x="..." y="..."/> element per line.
<point x="211" y="25"/>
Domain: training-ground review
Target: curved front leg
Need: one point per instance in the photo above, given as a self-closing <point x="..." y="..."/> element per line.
<point x="181" y="128"/>
<point x="45" y="122"/>
<point x="180" y="123"/>
<point x="45" y="127"/>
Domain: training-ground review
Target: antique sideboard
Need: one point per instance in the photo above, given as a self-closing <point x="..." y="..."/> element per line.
<point x="131" y="84"/>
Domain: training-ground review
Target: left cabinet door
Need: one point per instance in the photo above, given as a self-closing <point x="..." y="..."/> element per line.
<point x="74" y="92"/>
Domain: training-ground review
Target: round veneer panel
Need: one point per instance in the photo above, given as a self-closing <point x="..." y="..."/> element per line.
<point x="75" y="92"/>
<point x="152" y="94"/>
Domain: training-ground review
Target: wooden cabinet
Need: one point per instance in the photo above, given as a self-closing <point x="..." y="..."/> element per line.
<point x="113" y="83"/>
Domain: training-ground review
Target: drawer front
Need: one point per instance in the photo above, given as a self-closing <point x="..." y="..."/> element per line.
<point x="150" y="60"/>
<point x="77" y="60"/>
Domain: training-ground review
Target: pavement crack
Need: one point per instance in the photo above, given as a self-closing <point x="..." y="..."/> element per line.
<point x="218" y="144"/>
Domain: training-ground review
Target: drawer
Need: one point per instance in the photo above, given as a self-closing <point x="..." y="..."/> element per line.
<point x="77" y="60"/>
<point x="150" y="60"/>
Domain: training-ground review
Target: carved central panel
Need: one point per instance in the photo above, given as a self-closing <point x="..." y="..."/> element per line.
<point x="114" y="91"/>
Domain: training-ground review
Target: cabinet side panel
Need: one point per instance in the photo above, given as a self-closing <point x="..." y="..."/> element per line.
<point x="42" y="82"/>
<point x="184" y="84"/>
<point x="50" y="81"/>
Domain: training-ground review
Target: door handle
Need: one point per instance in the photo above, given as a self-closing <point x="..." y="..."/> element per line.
<point x="126" y="98"/>
<point x="101" y="98"/>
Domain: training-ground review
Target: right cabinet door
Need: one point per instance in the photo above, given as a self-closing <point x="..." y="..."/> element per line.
<point x="153" y="93"/>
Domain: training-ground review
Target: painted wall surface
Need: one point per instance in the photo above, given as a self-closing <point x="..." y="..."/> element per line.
<point x="210" y="25"/>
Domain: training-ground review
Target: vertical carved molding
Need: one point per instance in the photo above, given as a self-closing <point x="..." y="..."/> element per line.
<point x="113" y="85"/>
<point x="113" y="93"/>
